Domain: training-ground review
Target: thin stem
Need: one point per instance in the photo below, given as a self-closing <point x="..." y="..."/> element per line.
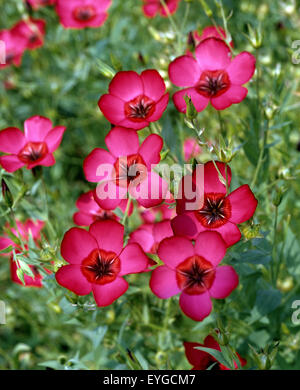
<point x="172" y="21"/>
<point x="125" y="216"/>
<point x="222" y="126"/>
<point x="274" y="252"/>
<point x="261" y="157"/>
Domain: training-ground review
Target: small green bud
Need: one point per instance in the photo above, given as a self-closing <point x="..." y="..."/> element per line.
<point x="206" y="8"/>
<point x="191" y="112"/>
<point x="7" y="195"/>
<point x="278" y="196"/>
<point x="255" y="36"/>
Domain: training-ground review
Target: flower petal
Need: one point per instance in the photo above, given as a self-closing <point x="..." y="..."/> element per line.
<point x="241" y="68"/>
<point x="106" y="294"/>
<point x="109" y="196"/>
<point x="163" y="282"/>
<point x="230" y="233"/>
<point x="109" y="235"/>
<point x="71" y="277"/>
<point x="174" y="250"/>
<point x="159" y="109"/>
<point x="150" y="150"/>
<point x="212" y="182"/>
<point x="36" y="128"/>
<point x="126" y="85"/>
<point x="98" y="165"/>
<point x="12" y="140"/>
<point x="243" y="204"/>
<point x="185" y="225"/>
<point x="77" y="244"/>
<point x="235" y="94"/>
<point x="11" y="163"/>
<point x="162" y="230"/>
<point x="154" y="85"/>
<point x="213" y="54"/>
<point x="226" y="280"/>
<point x="122" y="142"/>
<point x="184" y="71"/>
<point x="112" y="108"/>
<point x="204" y="244"/>
<point x="144" y="237"/>
<point x="197" y="307"/>
<point x="133" y="260"/>
<point x="54" y="137"/>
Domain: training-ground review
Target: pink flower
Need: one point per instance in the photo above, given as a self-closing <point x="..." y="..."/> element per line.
<point x="126" y="167"/>
<point x="153" y="7"/>
<point x="36" y="4"/>
<point x="24" y="229"/>
<point x="212" y="77"/>
<point x="15" y="45"/>
<point x="82" y="13"/>
<point x="211" y="32"/>
<point x="90" y="211"/>
<point x="134" y="100"/>
<point x="191" y="149"/>
<point x="149" y="236"/>
<point x="193" y="272"/>
<point x="201" y="360"/>
<point x="98" y="261"/>
<point x="32" y="31"/>
<point x="220" y="212"/>
<point x="159" y="213"/>
<point x="33" y="147"/>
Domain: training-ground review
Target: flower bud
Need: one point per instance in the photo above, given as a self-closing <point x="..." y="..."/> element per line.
<point x="206" y="9"/>
<point x="278" y="196"/>
<point x="7" y="195"/>
<point x="255" y="37"/>
<point x="191" y="112"/>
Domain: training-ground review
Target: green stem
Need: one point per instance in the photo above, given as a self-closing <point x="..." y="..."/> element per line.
<point x="125" y="216"/>
<point x="173" y="23"/>
<point x="260" y="158"/>
<point x="274" y="252"/>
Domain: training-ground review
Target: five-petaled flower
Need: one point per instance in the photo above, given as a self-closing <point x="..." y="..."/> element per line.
<point x="82" y="13"/>
<point x="135" y="100"/>
<point x="212" y="76"/>
<point x="23" y="230"/>
<point x="193" y="271"/>
<point x="126" y="168"/>
<point x="219" y="211"/>
<point x="33" y="147"/>
<point x="90" y="211"/>
<point x="36" y="4"/>
<point x="32" y="30"/>
<point x="12" y="48"/>
<point x="98" y="261"/>
<point x="201" y="360"/>
<point x="153" y="7"/>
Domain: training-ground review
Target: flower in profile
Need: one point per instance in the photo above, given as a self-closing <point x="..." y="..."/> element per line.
<point x="219" y="211"/>
<point x="98" y="261"/>
<point x="126" y="168"/>
<point x="212" y="76"/>
<point x="12" y="48"/>
<point x="36" y="4"/>
<point x="82" y="13"/>
<point x="153" y="7"/>
<point x="23" y="231"/>
<point x="32" y="30"/>
<point x="149" y="236"/>
<point x="194" y="272"/>
<point x="191" y="149"/>
<point x="134" y="100"/>
<point x="33" y="147"/>
<point x="90" y="211"/>
<point x="201" y="360"/>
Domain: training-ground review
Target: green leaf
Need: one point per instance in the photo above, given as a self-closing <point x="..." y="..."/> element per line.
<point x="216" y="354"/>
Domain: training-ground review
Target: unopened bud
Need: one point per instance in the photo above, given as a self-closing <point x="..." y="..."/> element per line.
<point x="191" y="112"/>
<point x="7" y="195"/>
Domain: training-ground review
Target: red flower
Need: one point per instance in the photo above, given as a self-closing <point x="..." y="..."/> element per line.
<point x="149" y="236"/>
<point x="126" y="168"/>
<point x="14" y="47"/>
<point x="201" y="360"/>
<point x="98" y="261"/>
<point x="33" y="147"/>
<point x="193" y="272"/>
<point x="211" y="77"/>
<point x="23" y="230"/>
<point x="36" y="4"/>
<point x="135" y="100"/>
<point x="90" y="211"/>
<point x="32" y="31"/>
<point x="220" y="212"/>
<point x="82" y="13"/>
<point x="153" y="7"/>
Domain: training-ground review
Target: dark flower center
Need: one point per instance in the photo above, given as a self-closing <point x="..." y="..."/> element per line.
<point x="84" y="13"/>
<point x="9" y="58"/>
<point x="139" y="108"/>
<point x="213" y="83"/>
<point x="101" y="267"/>
<point x="33" y="152"/>
<point x="104" y="215"/>
<point x="130" y="168"/>
<point x="215" y="212"/>
<point x="195" y="275"/>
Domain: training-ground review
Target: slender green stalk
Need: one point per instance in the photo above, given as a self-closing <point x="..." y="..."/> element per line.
<point x="261" y="157"/>
<point x="173" y="23"/>
<point x="125" y="216"/>
<point x="274" y="251"/>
